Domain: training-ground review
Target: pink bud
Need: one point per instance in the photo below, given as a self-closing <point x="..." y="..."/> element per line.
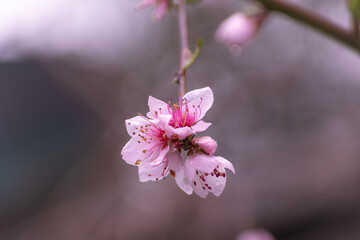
<point x="207" y="144"/>
<point x="255" y="234"/>
<point x="239" y="29"/>
<point x="162" y="6"/>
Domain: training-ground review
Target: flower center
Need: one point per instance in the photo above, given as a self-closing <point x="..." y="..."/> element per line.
<point x="152" y="134"/>
<point x="184" y="115"/>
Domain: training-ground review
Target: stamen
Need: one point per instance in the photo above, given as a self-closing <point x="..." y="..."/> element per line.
<point x="173" y="174"/>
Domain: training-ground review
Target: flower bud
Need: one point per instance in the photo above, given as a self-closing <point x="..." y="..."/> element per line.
<point x="206" y="144"/>
<point x="239" y="29"/>
<point x="162" y="6"/>
<point x="255" y="234"/>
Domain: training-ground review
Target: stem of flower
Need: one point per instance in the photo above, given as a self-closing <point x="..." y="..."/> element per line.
<point x="185" y="52"/>
<point x="315" y="21"/>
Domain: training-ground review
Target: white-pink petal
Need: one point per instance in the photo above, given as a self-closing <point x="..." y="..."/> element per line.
<point x="132" y="152"/>
<point x="161" y="9"/>
<point x="203" y="162"/>
<point x="157" y="157"/>
<point x="201" y="126"/>
<point x="176" y="165"/>
<point x="217" y="182"/>
<point x="182" y="181"/>
<point x="175" y="161"/>
<point x="189" y="170"/>
<point x="202" y="97"/>
<point x="133" y="124"/>
<point x="180" y="133"/>
<point x="144" y="4"/>
<point x="199" y="188"/>
<point x="154" y="173"/>
<point x="156" y="107"/>
<point x="163" y="121"/>
<point x="225" y="163"/>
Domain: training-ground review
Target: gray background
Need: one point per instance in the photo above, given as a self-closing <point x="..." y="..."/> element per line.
<point x="286" y="114"/>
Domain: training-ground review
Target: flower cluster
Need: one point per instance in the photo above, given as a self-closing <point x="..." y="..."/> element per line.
<point x="158" y="139"/>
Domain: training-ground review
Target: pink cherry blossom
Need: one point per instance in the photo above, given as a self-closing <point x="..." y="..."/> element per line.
<point x="158" y="140"/>
<point x="162" y="7"/>
<point x="150" y="149"/>
<point x="185" y="117"/>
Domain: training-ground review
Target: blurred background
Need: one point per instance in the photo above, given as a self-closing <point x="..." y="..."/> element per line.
<point x="286" y="114"/>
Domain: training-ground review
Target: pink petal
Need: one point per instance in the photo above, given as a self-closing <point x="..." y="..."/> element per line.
<point x="156" y="107"/>
<point x="133" y="124"/>
<point x="144" y="4"/>
<point x="181" y="133"/>
<point x="203" y="97"/>
<point x="161" y="9"/>
<point x="154" y="173"/>
<point x="216" y="182"/>
<point x="203" y="162"/>
<point x="176" y="165"/>
<point x="225" y="163"/>
<point x="158" y="156"/>
<point x="132" y="152"/>
<point x="175" y="161"/>
<point x="182" y="181"/>
<point x="163" y="121"/>
<point x="199" y="187"/>
<point x="201" y="126"/>
<point x="189" y="170"/>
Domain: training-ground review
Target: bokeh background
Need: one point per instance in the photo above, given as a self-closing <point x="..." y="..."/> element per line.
<point x="286" y="114"/>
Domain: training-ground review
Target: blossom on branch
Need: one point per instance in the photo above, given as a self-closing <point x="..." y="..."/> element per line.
<point x="157" y="142"/>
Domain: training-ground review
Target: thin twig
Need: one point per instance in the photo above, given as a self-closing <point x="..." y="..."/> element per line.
<point x="315" y="21"/>
<point x="184" y="44"/>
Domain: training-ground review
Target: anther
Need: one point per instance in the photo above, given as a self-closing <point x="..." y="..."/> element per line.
<point x="173" y="174"/>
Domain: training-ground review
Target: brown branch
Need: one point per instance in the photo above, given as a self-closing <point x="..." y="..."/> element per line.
<point x="315" y="21"/>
